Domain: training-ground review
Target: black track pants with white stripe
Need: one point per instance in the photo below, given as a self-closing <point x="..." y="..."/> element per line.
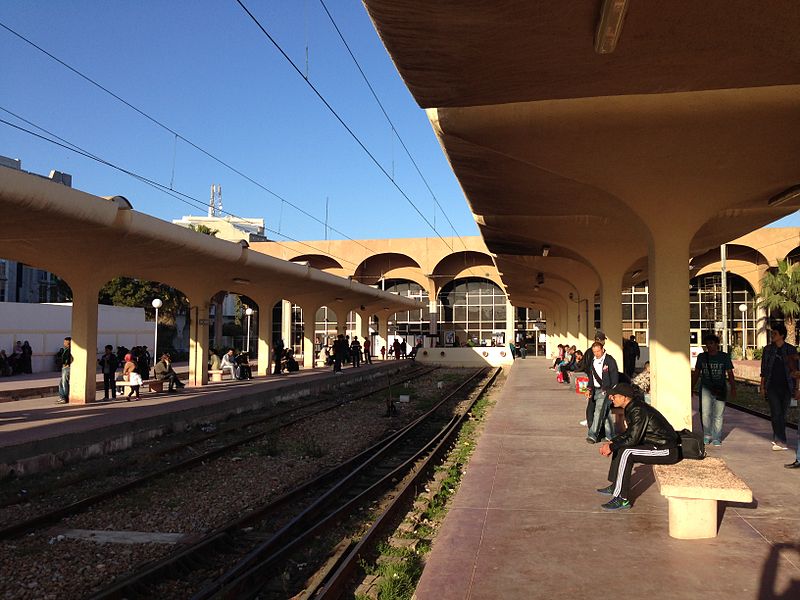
<point x="622" y="462"/>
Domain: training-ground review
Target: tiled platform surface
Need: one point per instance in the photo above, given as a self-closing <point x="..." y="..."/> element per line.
<point x="526" y="522"/>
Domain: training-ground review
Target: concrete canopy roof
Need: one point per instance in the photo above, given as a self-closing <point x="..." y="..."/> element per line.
<point x="689" y="127"/>
<point x="88" y="239"/>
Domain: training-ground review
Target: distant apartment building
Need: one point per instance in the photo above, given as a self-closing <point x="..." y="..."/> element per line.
<point x="20" y="282"/>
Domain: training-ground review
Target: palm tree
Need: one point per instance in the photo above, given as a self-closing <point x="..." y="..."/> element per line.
<point x="780" y="290"/>
<point x="205" y="229"/>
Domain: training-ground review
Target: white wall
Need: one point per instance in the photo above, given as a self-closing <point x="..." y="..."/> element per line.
<point x="46" y="325"/>
<point x="478" y="356"/>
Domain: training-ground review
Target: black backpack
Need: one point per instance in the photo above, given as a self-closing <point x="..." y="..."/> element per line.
<point x="691" y="445"/>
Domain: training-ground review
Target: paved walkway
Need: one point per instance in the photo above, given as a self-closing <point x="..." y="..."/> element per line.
<point x="526" y="522"/>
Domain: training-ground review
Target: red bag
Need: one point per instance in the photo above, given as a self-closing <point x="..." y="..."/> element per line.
<point x="560" y="377"/>
<point x="581" y="385"/>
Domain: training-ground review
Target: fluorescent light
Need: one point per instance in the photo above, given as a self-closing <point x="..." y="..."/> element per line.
<point x="635" y="274"/>
<point x="241" y="281"/>
<point x="785" y="196"/>
<point x="609" y="28"/>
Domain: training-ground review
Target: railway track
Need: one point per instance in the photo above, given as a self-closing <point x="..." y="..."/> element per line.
<point x="257" y="541"/>
<point x="273" y="421"/>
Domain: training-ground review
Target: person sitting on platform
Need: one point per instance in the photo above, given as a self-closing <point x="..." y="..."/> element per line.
<point x="292" y="366"/>
<point x="243" y="366"/>
<point x="648" y="439"/>
<point x="228" y="363"/>
<point x="163" y="372"/>
<point x="213" y="360"/>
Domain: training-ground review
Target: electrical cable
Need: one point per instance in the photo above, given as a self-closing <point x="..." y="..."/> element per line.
<point x="342" y="122"/>
<point x="178" y="195"/>
<point x="394" y="129"/>
<point x="177" y="135"/>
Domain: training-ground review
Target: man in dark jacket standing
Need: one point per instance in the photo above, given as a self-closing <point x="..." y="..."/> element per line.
<point x="648" y="439"/>
<point x="603" y="375"/>
<point x="584" y="366"/>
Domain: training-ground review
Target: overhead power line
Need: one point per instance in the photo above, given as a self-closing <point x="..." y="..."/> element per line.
<point x="178" y="195"/>
<point x="177" y="135"/>
<point x="391" y="124"/>
<point x="342" y="122"/>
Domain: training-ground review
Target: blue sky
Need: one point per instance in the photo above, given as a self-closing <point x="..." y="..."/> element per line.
<point x="205" y="70"/>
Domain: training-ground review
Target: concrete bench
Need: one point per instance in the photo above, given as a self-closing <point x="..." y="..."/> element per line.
<point x="693" y="488"/>
<point x="155" y="385"/>
<point x="216" y="374"/>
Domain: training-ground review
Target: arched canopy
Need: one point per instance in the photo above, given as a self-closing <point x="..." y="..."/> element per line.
<point x="379" y="266"/>
<point x="317" y="261"/>
<point x="462" y="264"/>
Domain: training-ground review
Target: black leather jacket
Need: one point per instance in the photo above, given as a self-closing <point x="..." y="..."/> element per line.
<point x="645" y="426"/>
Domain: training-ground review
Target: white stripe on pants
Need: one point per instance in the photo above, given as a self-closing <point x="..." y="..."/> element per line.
<point x="626" y="454"/>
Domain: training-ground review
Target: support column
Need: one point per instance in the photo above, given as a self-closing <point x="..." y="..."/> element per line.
<point x="83" y="372"/>
<point x="309" y="321"/>
<point x="286" y="323"/>
<point x="669" y="327"/>
<point x="611" y="308"/>
<point x="510" y="331"/>
<point x="199" y="309"/>
<point x="265" y="341"/>
<point x="383" y="334"/>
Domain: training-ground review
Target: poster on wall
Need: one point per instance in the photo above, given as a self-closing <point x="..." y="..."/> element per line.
<point x="450" y="338"/>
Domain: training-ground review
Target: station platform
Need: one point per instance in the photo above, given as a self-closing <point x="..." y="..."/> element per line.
<point x="37" y="434"/>
<point x="526" y="522"/>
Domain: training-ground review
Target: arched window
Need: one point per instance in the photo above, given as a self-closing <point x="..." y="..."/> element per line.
<point x="473" y="310"/>
<point x="410" y="323"/>
<point x="705" y="308"/>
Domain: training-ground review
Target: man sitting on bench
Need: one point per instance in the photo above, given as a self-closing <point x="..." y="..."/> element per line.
<point x="648" y="439"/>
<point x="164" y="372"/>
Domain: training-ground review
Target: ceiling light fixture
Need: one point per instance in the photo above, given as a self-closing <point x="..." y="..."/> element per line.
<point x="545" y="250"/>
<point x="241" y="281"/>
<point x="635" y="274"/>
<point x="536" y="288"/>
<point x="609" y="28"/>
<point x="786" y="195"/>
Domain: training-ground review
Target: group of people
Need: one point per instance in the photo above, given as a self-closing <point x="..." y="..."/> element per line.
<point x="135" y="365"/>
<point x="233" y="362"/>
<point x="18" y="362"/>
<point x="648" y="437"/>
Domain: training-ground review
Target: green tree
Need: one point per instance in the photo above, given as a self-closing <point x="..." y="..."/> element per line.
<point x="127" y="291"/>
<point x="780" y="291"/>
<point x="204" y="229"/>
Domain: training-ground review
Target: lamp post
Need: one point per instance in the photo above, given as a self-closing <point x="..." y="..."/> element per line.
<point x="249" y="312"/>
<point x="157" y="303"/>
<point x="743" y="309"/>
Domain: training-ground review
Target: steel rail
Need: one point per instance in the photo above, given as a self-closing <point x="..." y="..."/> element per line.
<point x="333" y="587"/>
<point x="250" y="572"/>
<point x="57" y="514"/>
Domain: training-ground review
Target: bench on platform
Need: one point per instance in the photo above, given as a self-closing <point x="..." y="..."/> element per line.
<point x="155" y="385"/>
<point x="215" y="374"/>
<point x="693" y="488"/>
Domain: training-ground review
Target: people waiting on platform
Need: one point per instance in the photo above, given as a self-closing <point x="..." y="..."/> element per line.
<point x="5" y="367"/>
<point x="108" y="367"/>
<point x="132" y="376"/>
<point x="367" y="352"/>
<point x="714" y="370"/>
<point x="383" y="352"/>
<point x="228" y="364"/>
<point x="603" y="376"/>
<point x="396" y="349"/>
<point x="163" y="371"/>
<point x="213" y="360"/>
<point x="415" y="350"/>
<point x="778" y="363"/>
<point x="567" y="364"/>
<point x="559" y="357"/>
<point x="355" y="351"/>
<point x="18" y="362"/>
<point x="642" y="381"/>
<point x="630" y="354"/>
<point x="340" y="350"/>
<point x="243" y="369"/>
<point x="648" y="439"/>
<point x="291" y="364"/>
<point x="65" y="358"/>
<point x="277" y="355"/>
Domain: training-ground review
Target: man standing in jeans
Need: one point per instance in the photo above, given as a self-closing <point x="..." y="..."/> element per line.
<point x="715" y="371"/>
<point x="778" y="363"/>
<point x="603" y="375"/>
<point x="66" y="361"/>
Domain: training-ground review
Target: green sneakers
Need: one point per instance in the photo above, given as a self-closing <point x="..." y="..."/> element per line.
<point x="617" y="503"/>
<point x="608" y="491"/>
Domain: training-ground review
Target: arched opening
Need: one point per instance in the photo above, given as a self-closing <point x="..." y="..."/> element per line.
<point x="317" y="261"/>
<point x="472" y="311"/>
<point x="380" y="266"/>
<point x="411" y="325"/>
